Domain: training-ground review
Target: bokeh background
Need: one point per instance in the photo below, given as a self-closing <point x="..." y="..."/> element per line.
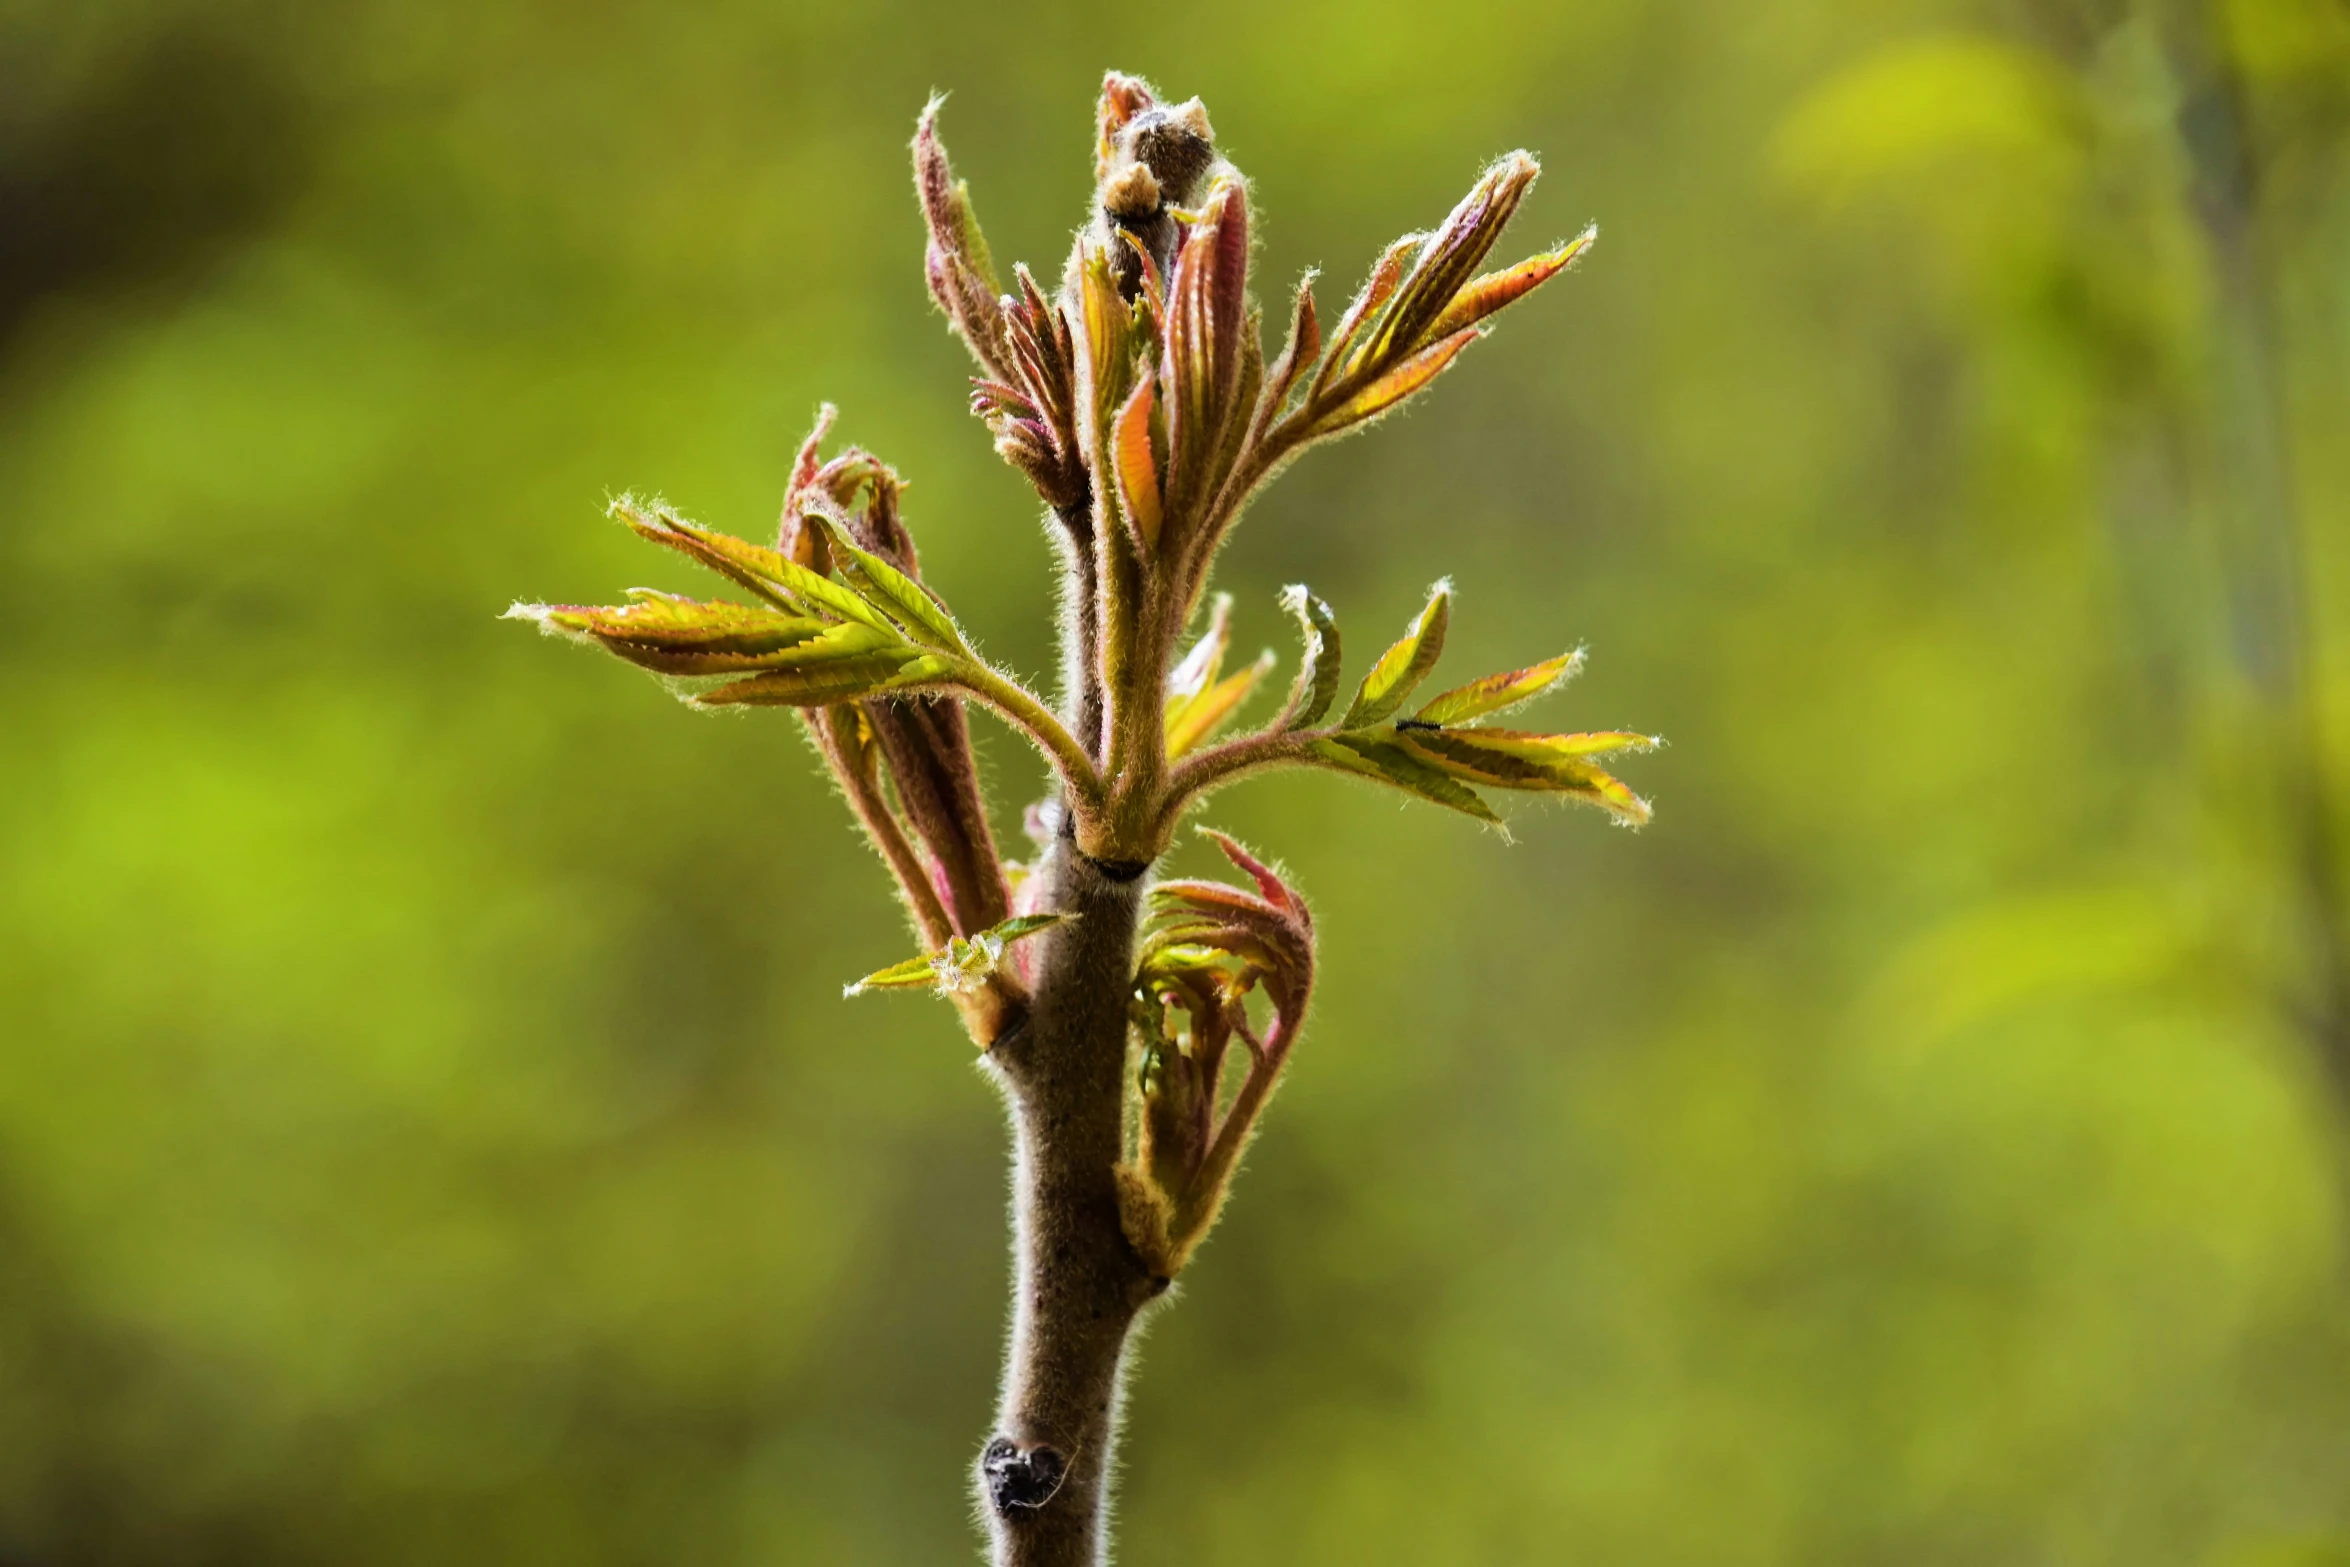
<point x="430" y="1127"/>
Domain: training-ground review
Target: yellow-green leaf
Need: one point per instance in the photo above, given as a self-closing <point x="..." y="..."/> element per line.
<point x="1402" y="667"/>
<point x="913" y="974"/>
<point x="891" y="591"/>
<point x="762" y="570"/>
<point x="1539" y="747"/>
<point x="680" y="636"/>
<point x="961" y="966"/>
<point x="816" y="687"/>
<point x="1391" y="764"/>
<point x="1498" y="693"/>
<point x="1541" y="764"/>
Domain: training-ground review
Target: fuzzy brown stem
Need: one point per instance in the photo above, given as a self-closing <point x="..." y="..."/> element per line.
<point x="1045" y="1473"/>
<point x="1081" y="631"/>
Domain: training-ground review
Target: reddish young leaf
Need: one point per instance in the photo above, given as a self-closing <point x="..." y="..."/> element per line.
<point x="1453" y="253"/>
<point x="1483" y="296"/>
<point x="1395" y="385"/>
<point x="961" y="274"/>
<point x="1138" y="469"/>
<point x="1206" y="316"/>
<point x="1349" y="341"/>
<point x="1297" y="354"/>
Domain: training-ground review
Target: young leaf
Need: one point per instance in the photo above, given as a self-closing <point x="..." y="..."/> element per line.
<point x="1319" y="674"/>
<point x="1541" y="764"/>
<point x="680" y="636"/>
<point x="1206" y="320"/>
<point x="1349" y="341"/>
<point x="1485" y="295"/>
<point x="891" y="591"/>
<point x="1298" y="354"/>
<point x="1371" y="757"/>
<point x="1549" y="748"/>
<point x="1276" y="891"/>
<point x="913" y="974"/>
<point x="961" y="966"/>
<point x="1395" y="385"/>
<point x="961" y="275"/>
<point x="847" y="662"/>
<point x="820" y="685"/>
<point x="1110" y="328"/>
<point x="1138" y="469"/>
<point x="1205" y="661"/>
<point x="1200" y="716"/>
<point x="763" y="571"/>
<point x="1453" y="254"/>
<point x="1498" y="693"/>
<point x="1402" y="667"/>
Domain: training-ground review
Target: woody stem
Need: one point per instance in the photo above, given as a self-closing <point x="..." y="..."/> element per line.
<point x="1044" y="1475"/>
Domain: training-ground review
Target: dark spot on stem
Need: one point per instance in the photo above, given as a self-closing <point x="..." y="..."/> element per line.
<point x="1021" y="1478"/>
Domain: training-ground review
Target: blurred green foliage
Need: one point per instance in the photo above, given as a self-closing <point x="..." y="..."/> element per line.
<point x="430" y="1129"/>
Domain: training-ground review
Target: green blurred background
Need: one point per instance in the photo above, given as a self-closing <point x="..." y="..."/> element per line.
<point x="430" y="1129"/>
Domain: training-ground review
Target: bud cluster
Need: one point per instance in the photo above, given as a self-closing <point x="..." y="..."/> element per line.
<point x="1137" y="398"/>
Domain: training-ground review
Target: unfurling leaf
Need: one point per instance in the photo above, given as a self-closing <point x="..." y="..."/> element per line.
<point x="1499" y="693"/>
<point x="962" y="965"/>
<point x="1319" y="674"/>
<point x="1402" y="667"/>
<point x="1110" y="328"/>
<point x="1452" y="255"/>
<point x="961" y="275"/>
<point x="1266" y="935"/>
<point x="892" y="592"/>
<point x="1375" y="757"/>
<point x="1209" y="945"/>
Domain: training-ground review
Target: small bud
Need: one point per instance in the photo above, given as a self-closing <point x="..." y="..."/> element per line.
<point x="1175" y="145"/>
<point x="1154" y="161"/>
<point x="1132" y="195"/>
<point x="1123" y="97"/>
